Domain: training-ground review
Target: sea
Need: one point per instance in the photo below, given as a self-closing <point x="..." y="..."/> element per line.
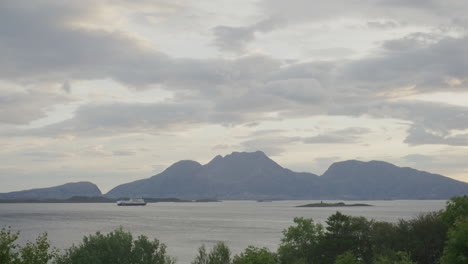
<point x="184" y="227"/>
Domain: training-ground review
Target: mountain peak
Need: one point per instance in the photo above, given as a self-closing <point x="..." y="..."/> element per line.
<point x="347" y="165"/>
<point x="183" y="165"/>
<point x="257" y="158"/>
<point x="248" y="155"/>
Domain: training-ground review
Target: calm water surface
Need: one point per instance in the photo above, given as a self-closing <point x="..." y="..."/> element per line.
<point x="184" y="227"/>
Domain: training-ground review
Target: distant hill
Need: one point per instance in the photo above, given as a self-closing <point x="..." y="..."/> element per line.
<point x="382" y="180"/>
<point x="58" y="192"/>
<point x="255" y="176"/>
<point x="235" y="176"/>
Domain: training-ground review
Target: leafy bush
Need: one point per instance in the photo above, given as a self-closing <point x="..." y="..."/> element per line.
<point x="254" y="255"/>
<point x="457" y="207"/>
<point x="38" y="252"/>
<point x="456" y="250"/>
<point x="347" y="258"/>
<point x="117" y="247"/>
<point x="219" y="254"/>
<point x="300" y="243"/>
<point x="392" y="257"/>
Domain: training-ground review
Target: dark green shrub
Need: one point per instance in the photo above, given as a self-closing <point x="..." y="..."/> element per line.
<point x="117" y="247"/>
<point x="254" y="255"/>
<point x="219" y="254"/>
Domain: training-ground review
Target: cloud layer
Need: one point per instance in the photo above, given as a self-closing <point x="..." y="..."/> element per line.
<point x="260" y="73"/>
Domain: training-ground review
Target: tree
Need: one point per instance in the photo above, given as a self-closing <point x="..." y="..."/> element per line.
<point x="254" y="255"/>
<point x="392" y="257"/>
<point x="219" y="254"/>
<point x="456" y="250"/>
<point x="384" y="236"/>
<point x="8" y="252"/>
<point x="347" y="258"/>
<point x="456" y="207"/>
<point x="348" y="233"/>
<point x="117" y="247"/>
<point x="300" y="243"/>
<point x="422" y="237"/>
<point x="37" y="252"/>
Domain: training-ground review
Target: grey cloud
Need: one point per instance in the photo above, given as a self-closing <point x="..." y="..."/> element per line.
<point x="21" y="108"/>
<point x="420" y="12"/>
<point x="330" y="53"/>
<point x="221" y="147"/>
<point x="117" y="118"/>
<point x="272" y="145"/>
<point x="418" y="158"/>
<point x="426" y="67"/>
<point x="267" y="132"/>
<point x="46" y="155"/>
<point x="300" y="90"/>
<point x="418" y="135"/>
<point x="384" y="24"/>
<point x="410" y="3"/>
<point x="343" y="136"/>
<point x="123" y="153"/>
<point x="40" y="43"/>
<point x="236" y="38"/>
<point x="429" y="123"/>
<point x="437" y="117"/>
<point x="275" y="143"/>
<point x="66" y="87"/>
<point x="412" y="41"/>
<point x="103" y="120"/>
<point x="233" y="38"/>
<point x="43" y="45"/>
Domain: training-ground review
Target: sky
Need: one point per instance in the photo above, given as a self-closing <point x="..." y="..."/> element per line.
<point x="112" y="91"/>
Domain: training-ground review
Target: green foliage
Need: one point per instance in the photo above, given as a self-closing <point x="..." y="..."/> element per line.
<point x="8" y="252"/>
<point x="219" y="254"/>
<point x="254" y="255"/>
<point x="456" y="250"/>
<point x="456" y="207"/>
<point x="38" y="252"/>
<point x="384" y="236"/>
<point x="117" y="247"/>
<point x="347" y="258"/>
<point x="348" y="233"/>
<point x="300" y="243"/>
<point x="422" y="237"/>
<point x="392" y="257"/>
<point x="202" y="257"/>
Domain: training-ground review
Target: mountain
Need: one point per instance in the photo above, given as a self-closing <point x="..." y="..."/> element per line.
<point x="57" y="192"/>
<point x="235" y="176"/>
<point x="354" y="179"/>
<point x="243" y="175"/>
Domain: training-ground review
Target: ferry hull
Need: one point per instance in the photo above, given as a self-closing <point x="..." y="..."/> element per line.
<point x="131" y="204"/>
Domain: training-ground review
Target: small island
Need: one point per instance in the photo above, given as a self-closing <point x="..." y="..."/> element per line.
<point x="341" y="204"/>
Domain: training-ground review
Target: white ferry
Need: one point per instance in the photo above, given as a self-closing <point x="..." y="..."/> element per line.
<point x="131" y="202"/>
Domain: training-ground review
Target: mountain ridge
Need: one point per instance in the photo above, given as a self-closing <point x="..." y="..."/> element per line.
<point x="64" y="191"/>
<point x="253" y="175"/>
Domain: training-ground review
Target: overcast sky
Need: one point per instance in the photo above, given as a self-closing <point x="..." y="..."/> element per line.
<point x="112" y="91"/>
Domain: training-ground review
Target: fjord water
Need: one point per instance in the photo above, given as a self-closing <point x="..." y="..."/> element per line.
<point x="184" y="227"/>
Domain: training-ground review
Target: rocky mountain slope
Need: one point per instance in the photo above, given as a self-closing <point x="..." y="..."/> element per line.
<point x="255" y="176"/>
<point x="57" y="192"/>
<point x="235" y="176"/>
